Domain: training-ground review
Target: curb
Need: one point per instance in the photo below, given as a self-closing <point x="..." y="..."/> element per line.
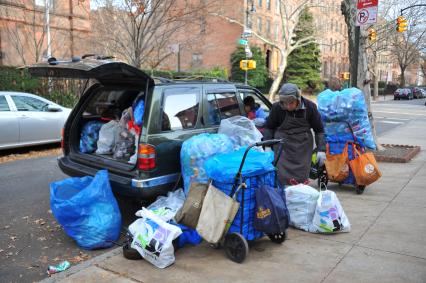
<point x="81" y="266"/>
<point x="412" y="151"/>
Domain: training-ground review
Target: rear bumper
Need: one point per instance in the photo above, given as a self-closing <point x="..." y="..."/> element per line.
<point x="138" y="189"/>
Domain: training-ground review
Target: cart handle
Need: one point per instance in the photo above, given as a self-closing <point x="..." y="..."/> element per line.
<point x="268" y="143"/>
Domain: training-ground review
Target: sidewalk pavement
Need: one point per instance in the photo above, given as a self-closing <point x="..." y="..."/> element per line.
<point x="387" y="242"/>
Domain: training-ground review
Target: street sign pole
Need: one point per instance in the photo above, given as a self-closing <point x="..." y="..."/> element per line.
<point x="354" y="75"/>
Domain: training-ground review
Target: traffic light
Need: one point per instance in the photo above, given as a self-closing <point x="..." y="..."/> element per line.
<point x="345" y="76"/>
<point x="247" y="65"/>
<point x="372" y="34"/>
<point x="401" y="24"/>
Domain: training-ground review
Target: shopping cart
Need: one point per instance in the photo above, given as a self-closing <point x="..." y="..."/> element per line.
<point x="243" y="189"/>
<point x="337" y="135"/>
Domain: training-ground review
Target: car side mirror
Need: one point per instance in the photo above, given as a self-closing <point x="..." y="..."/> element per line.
<point x="53" y="108"/>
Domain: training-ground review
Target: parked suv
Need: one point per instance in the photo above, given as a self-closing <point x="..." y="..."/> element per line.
<point x="173" y="112"/>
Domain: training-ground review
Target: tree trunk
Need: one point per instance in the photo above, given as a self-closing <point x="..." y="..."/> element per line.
<point x="376" y="78"/>
<point x="402" y="79"/>
<point x="277" y="81"/>
<point x="363" y="78"/>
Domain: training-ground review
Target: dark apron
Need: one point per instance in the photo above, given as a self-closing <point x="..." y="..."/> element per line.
<point x="295" y="159"/>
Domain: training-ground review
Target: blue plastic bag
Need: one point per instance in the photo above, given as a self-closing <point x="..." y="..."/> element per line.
<point x="346" y="106"/>
<point x="138" y="112"/>
<point x="87" y="210"/>
<point x="194" y="153"/>
<point x="89" y="136"/>
<point x="272" y="216"/>
<point x="188" y="237"/>
<point x="224" y="167"/>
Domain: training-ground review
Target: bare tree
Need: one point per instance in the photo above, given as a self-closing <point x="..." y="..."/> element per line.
<point x="141" y="32"/>
<point x="26" y="32"/>
<point x="290" y="14"/>
<point x="406" y="47"/>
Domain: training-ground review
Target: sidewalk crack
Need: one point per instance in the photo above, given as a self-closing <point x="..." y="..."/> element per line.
<point x="118" y="273"/>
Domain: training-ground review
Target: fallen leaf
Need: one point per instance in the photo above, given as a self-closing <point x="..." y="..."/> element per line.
<point x="41" y="239"/>
<point x="56" y="259"/>
<point x="45" y="248"/>
<point x="13" y="238"/>
<point x="40" y="221"/>
<point x="10" y="246"/>
<point x="1" y="250"/>
<point x="25" y="217"/>
<point x="7" y="227"/>
<point x="10" y="254"/>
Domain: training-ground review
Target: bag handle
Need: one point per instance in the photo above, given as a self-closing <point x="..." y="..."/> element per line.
<point x="321" y="185"/>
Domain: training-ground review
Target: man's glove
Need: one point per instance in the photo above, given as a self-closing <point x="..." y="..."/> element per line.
<point x="321" y="158"/>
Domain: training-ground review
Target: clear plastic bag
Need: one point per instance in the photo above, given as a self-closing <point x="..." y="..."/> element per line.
<point x="153" y="238"/>
<point x="329" y="216"/>
<point x="301" y="203"/>
<point x="241" y="130"/>
<point x="107" y="136"/>
<point x="166" y="207"/>
<point x="124" y="144"/>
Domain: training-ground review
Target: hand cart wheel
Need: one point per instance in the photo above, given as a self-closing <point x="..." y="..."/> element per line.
<point x="278" y="238"/>
<point x="236" y="247"/>
<point x="322" y="176"/>
<point x="129" y="252"/>
<point x="360" y="189"/>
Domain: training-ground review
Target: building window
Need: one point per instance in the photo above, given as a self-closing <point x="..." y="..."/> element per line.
<point x="259" y="25"/>
<point x="259" y="3"/>
<point x="249" y="22"/>
<point x="335" y="46"/>
<point x="331" y="45"/>
<point x="42" y="3"/>
<point x="276" y="31"/>
<point x="268" y="4"/>
<point x="197" y="60"/>
<point x="277" y="6"/>
<point x="268" y="28"/>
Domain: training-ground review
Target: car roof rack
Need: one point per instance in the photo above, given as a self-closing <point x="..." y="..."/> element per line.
<point x="162" y="79"/>
<point x="201" y="78"/>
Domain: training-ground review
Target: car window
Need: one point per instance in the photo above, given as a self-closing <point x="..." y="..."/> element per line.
<point x="4" y="106"/>
<point x="111" y="103"/>
<point x="257" y="100"/>
<point x="26" y="103"/>
<point x="222" y="106"/>
<point x="180" y="108"/>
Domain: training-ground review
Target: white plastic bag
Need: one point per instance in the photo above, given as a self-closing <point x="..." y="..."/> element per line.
<point x="301" y="203"/>
<point x="241" y="131"/>
<point x="153" y="238"/>
<point x="106" y="139"/>
<point x="166" y="207"/>
<point x="329" y="215"/>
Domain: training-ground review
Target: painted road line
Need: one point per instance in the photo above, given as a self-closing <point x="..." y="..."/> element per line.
<point x="400" y="113"/>
<point x="391" y="122"/>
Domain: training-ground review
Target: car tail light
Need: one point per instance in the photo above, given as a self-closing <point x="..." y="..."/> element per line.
<point x="146" y="157"/>
<point x="62" y="138"/>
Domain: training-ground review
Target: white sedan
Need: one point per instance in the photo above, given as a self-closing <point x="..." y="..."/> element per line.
<point x="27" y="119"/>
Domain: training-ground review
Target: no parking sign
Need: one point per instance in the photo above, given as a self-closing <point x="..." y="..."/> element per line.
<point x="366" y="12"/>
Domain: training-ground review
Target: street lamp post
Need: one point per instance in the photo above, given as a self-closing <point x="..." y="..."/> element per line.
<point x="252" y="9"/>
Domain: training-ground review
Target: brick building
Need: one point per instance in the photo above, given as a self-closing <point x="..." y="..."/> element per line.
<point x="23" y="37"/>
<point x="219" y="36"/>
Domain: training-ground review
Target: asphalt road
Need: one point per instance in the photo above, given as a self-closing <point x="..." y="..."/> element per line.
<point x="391" y="114"/>
<point x="30" y="238"/>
